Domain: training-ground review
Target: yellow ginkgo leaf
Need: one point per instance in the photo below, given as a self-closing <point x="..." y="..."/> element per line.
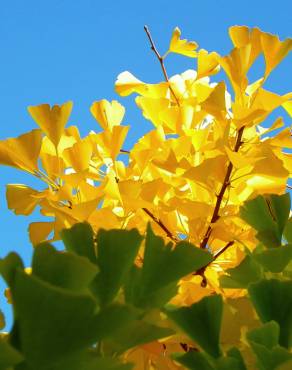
<point x="104" y="218"/>
<point x="52" y="120"/>
<point x="242" y="36"/>
<point x="21" y="198"/>
<point x="64" y="143"/>
<point x="109" y="143"/>
<point x="107" y="114"/>
<point x="282" y="139"/>
<point x="253" y="87"/>
<point x="239" y="160"/>
<point x="22" y="152"/>
<point x="39" y="231"/>
<point x="184" y="47"/>
<point x="152" y="108"/>
<point x="288" y="107"/>
<point x="78" y="155"/>
<point x="207" y="63"/>
<point x="274" y="50"/>
<point x="215" y="104"/>
<point x="127" y="84"/>
<point x="276" y="125"/>
<point x="53" y="165"/>
<point x="236" y="65"/>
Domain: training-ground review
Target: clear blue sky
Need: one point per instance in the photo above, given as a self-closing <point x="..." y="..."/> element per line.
<point x="58" y="50"/>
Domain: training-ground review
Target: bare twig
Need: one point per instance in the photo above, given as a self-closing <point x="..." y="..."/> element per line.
<point x="161" y="224"/>
<point x="160" y="59"/>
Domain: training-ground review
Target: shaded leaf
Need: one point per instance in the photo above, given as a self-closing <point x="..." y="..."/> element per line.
<point x="288" y="230"/>
<point x="272" y="300"/>
<point x="268" y="215"/>
<point x="235" y="353"/>
<point x="136" y="333"/>
<point x="240" y="276"/>
<point x="65" y="270"/>
<point x="201" y="322"/>
<point x="54" y="322"/>
<point x="117" y="250"/>
<point x="193" y="360"/>
<point x="276" y="259"/>
<point x="9" y="356"/>
<point x="264" y="342"/>
<point x="79" y="239"/>
<point x="162" y="267"/>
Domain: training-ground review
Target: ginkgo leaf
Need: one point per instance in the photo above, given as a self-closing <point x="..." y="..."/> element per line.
<point x="201" y="322"/>
<point x="64" y="270"/>
<point x="288" y="107"/>
<point x="236" y="65"/>
<point x="22" y="152"/>
<point x="152" y="108"/>
<point x="52" y="120"/>
<point x="274" y="50"/>
<point x="9" y="356"/>
<point x="21" y="199"/>
<point x="116" y="252"/>
<point x="242" y="36"/>
<point x="107" y="114"/>
<point x="78" y="155"/>
<point x="215" y="104"/>
<point x="49" y="148"/>
<point x="277" y="124"/>
<point x="109" y="143"/>
<point x="184" y="47"/>
<point x="39" y="231"/>
<point x="272" y="300"/>
<point x="127" y="84"/>
<point x="54" y="166"/>
<point x="208" y="64"/>
<point x="268" y="101"/>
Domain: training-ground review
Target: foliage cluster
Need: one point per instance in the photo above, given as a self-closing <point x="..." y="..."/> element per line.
<point x="208" y="181"/>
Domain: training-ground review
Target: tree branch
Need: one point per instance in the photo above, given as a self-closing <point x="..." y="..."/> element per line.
<point x="202" y="270"/>
<point x="220" y="196"/>
<point x="161" y="224"/>
<point x="160" y="59"/>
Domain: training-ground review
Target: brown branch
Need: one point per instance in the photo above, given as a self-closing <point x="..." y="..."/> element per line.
<point x="125" y="151"/>
<point x="202" y="270"/>
<point x="161" y="224"/>
<point x="160" y="59"/>
<point x="289" y="186"/>
<point x="229" y="244"/>
<point x="226" y="183"/>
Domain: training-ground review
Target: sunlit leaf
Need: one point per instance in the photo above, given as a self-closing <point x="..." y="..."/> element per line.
<point x="107" y="114"/>
<point x="22" y="152"/>
<point x="184" y="47"/>
<point x="52" y="120"/>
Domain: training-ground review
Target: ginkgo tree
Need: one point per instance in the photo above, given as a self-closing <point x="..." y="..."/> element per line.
<point x="188" y="178"/>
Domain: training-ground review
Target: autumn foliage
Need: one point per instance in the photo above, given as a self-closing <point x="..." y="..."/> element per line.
<point x="197" y="177"/>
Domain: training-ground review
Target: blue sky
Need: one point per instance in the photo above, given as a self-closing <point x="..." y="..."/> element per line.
<point x="58" y="50"/>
